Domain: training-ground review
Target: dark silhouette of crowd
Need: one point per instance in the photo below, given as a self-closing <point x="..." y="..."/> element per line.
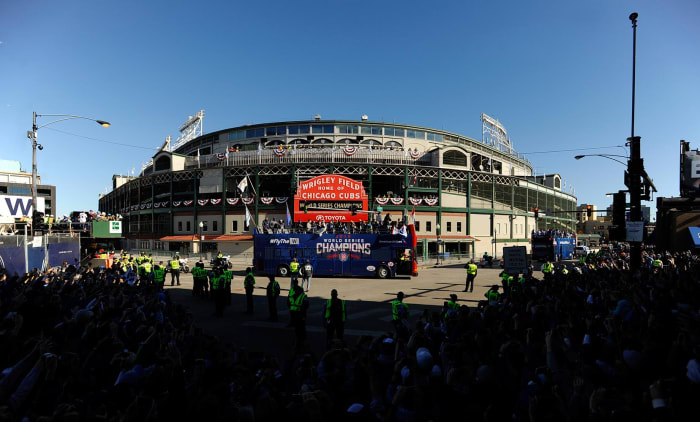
<point x="377" y="226"/>
<point x="595" y="344"/>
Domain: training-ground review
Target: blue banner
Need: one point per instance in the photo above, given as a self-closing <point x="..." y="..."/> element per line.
<point x="12" y="257"/>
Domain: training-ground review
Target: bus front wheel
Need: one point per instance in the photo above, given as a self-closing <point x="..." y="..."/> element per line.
<point x="282" y="271"/>
<point x="383" y="272"/>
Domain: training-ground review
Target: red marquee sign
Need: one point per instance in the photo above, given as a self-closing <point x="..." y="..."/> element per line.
<point x="327" y="198"/>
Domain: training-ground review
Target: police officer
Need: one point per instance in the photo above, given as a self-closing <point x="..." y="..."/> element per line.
<point x="294" y="270"/>
<point x="217" y="285"/>
<point x="492" y="295"/>
<point x="335" y="316"/>
<point x="471" y="275"/>
<point x="451" y="306"/>
<point x="159" y="275"/>
<point x="298" y="304"/>
<point x="273" y="292"/>
<point x="174" y="270"/>
<point x="249" y="286"/>
<point x="547" y="269"/>
<point x="399" y="314"/>
<point x="196" y="281"/>
<point x="229" y="277"/>
<point x="506" y="280"/>
<point x="147" y="268"/>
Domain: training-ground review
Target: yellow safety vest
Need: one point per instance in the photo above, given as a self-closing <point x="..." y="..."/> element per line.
<point x="471" y="269"/>
<point x="175" y="264"/>
<point x="294" y="267"/>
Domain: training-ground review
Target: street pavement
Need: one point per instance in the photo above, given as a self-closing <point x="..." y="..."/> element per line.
<point x="368" y="305"/>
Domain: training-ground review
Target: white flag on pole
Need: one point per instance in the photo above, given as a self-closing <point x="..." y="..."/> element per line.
<point x="247" y="216"/>
<point x="243" y="185"/>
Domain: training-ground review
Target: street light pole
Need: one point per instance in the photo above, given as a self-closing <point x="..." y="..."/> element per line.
<point x="33" y="136"/>
<point x="635" y="164"/>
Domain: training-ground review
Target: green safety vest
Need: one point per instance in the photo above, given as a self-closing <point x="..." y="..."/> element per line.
<point x="141" y="270"/>
<point x="471" y="269"/>
<point x="147" y="267"/>
<point x="249" y="280"/>
<point x="547" y="268"/>
<point x="328" y="309"/>
<point x="175" y="264"/>
<point x="159" y="275"/>
<point x="216" y="282"/>
<point x="492" y="296"/>
<point x="564" y="271"/>
<point x="295" y="302"/>
<point x="452" y="306"/>
<point x="294" y="267"/>
<point x="395" y="305"/>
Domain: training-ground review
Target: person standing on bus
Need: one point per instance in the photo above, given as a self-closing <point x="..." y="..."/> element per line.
<point x="471" y="275"/>
<point x="335" y="316"/>
<point x="399" y="314"/>
<point x="307" y="272"/>
<point x="249" y="285"/>
<point x="273" y="292"/>
<point x="294" y="270"/>
<point x="174" y="270"/>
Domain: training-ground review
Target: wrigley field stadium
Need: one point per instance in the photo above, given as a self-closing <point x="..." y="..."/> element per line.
<point x="207" y="192"/>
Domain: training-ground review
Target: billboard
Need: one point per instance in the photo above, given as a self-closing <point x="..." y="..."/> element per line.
<point x="328" y="198"/>
<point x="19" y="206"/>
<point x="106" y="229"/>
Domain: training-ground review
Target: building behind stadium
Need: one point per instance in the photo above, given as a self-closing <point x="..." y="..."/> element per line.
<point x="481" y="194"/>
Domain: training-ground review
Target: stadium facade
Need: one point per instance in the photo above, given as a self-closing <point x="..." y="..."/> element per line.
<point x="476" y="196"/>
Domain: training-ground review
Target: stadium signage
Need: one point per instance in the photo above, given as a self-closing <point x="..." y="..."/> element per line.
<point x="18" y="206"/>
<point x="328" y="198"/>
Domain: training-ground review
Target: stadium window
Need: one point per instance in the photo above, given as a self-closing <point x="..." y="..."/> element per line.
<point x="235" y="226"/>
<point x="188" y="226"/>
<point x="417" y="226"/>
<point x="388" y="131"/>
<point x="179" y="226"/>
<point x="346" y="129"/>
<point x="215" y="225"/>
<point x="317" y="129"/>
<point x="376" y="130"/>
<point x="434" y="137"/>
<point x="328" y="129"/>
<point x="459" y="227"/>
<point x="410" y="133"/>
<point x="205" y="227"/>
<point x="497" y="167"/>
<point x="255" y="133"/>
<point x="419" y="135"/>
<point x="454" y="158"/>
<point x="19" y="190"/>
<point x="399" y="132"/>
<point x="428" y="226"/>
<point x="449" y="226"/>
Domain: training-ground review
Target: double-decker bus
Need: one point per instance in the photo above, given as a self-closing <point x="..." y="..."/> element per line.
<point x="553" y="246"/>
<point x="339" y="254"/>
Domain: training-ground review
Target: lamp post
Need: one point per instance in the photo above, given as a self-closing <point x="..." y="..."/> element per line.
<point x="608" y="156"/>
<point x="32" y="135"/>
<point x="437" y="245"/>
<point x="201" y="236"/>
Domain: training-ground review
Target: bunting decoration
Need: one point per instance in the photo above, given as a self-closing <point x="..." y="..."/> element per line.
<point x="267" y="200"/>
<point x="381" y="201"/>
<point x="281" y="199"/>
<point x="176" y="203"/>
<point x="187" y="203"/>
<point x="415" y="154"/>
<point x="215" y="201"/>
<point x="415" y="201"/>
<point x="397" y="201"/>
<point x="350" y="150"/>
<point x="247" y="201"/>
<point x="430" y="201"/>
<point x="164" y="204"/>
<point x="143" y="206"/>
<point x="202" y="202"/>
<point x="156" y="205"/>
<point x="279" y="151"/>
<point x="221" y="156"/>
<point x="232" y="201"/>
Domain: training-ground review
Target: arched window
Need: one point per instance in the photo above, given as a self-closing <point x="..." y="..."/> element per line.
<point x="347" y="141"/>
<point x="392" y="144"/>
<point x="372" y="142"/>
<point x="321" y="141"/>
<point x="557" y="183"/>
<point x="162" y="163"/>
<point x="274" y="143"/>
<point x="299" y="141"/>
<point x="454" y="158"/>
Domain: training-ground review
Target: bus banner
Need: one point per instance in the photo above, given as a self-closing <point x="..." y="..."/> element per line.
<point x="330" y="192"/>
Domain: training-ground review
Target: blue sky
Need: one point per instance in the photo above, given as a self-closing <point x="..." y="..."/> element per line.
<point x="556" y="73"/>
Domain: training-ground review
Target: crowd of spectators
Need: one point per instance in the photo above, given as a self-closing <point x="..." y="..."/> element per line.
<point x="552" y="233"/>
<point x="596" y="344"/>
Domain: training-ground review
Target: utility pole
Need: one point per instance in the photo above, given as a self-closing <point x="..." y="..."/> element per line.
<point x="635" y="165"/>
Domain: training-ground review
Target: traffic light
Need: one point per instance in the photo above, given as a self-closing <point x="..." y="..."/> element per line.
<point x="619" y="231"/>
<point x="589" y="211"/>
<point x="537" y="212"/>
